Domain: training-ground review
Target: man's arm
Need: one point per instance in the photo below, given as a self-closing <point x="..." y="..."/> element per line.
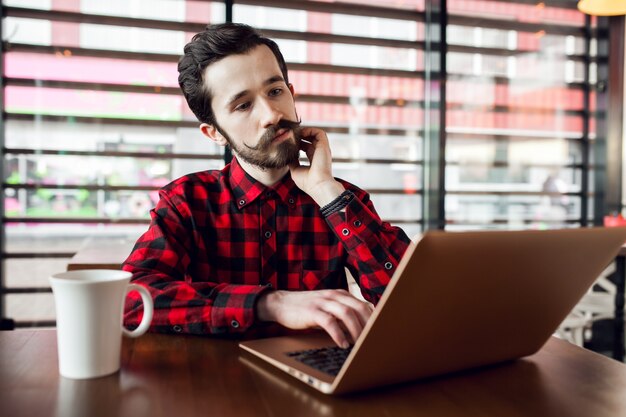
<point x="374" y="249"/>
<point x="160" y="261"/>
<point x="316" y="179"/>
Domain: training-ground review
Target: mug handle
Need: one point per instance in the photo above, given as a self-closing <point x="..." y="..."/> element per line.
<point x="148" y="310"/>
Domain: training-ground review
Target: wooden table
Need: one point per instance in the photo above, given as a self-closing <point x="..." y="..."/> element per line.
<point x="101" y="253"/>
<point x="110" y="253"/>
<point x="174" y="375"/>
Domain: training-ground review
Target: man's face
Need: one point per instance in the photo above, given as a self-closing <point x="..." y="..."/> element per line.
<point x="253" y="107"/>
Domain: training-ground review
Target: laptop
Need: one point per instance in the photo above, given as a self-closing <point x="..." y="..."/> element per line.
<point x="458" y="300"/>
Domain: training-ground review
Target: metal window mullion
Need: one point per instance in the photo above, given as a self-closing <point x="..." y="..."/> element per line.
<point x="5" y="322"/>
<point x="100" y="19"/>
<point x="433" y="199"/>
<point x="75" y="220"/>
<point x="504" y="24"/>
<point x="340" y="8"/>
<point x="30" y="255"/>
<point x="109" y="154"/>
<point x="585" y="149"/>
<point x="101" y="186"/>
<point x="615" y="115"/>
<point x="158" y="57"/>
<point x="443" y="69"/>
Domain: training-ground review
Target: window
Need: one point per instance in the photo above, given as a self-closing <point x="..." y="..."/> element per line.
<point x="359" y="76"/>
<point x="516" y="122"/>
<point x="95" y="123"/>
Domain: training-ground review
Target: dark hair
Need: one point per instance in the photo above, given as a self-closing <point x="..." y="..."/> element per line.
<point x="214" y="43"/>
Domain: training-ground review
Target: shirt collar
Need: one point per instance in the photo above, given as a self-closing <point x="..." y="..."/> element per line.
<point x="246" y="189"/>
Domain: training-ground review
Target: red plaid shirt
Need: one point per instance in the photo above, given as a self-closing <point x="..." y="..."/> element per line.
<point x="218" y="239"/>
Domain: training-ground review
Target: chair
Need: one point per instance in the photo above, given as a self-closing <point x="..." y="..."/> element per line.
<point x="597" y="304"/>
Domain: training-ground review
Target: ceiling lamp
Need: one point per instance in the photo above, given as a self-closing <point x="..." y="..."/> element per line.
<point x="602" y="7"/>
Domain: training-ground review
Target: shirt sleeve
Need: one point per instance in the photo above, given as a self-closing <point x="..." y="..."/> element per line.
<point x="160" y="261"/>
<point x="374" y="248"/>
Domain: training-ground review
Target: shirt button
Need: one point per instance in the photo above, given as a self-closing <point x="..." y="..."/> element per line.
<point x="345" y="232"/>
<point x="268" y="285"/>
<point x="268" y="234"/>
<point x="268" y="194"/>
<point x="234" y="323"/>
<point x="178" y="328"/>
<point x="291" y="201"/>
<point x="388" y="265"/>
<point x="242" y="202"/>
<point x="357" y="223"/>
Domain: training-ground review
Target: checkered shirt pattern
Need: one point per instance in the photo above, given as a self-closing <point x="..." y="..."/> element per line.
<point x="218" y="239"/>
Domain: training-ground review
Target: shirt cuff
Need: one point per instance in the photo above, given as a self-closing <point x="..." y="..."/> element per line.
<point x="233" y="309"/>
<point x="356" y="225"/>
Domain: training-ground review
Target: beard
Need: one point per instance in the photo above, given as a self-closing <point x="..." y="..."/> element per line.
<point x="265" y="154"/>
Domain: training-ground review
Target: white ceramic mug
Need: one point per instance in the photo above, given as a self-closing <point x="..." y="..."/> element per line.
<point x="89" y="309"/>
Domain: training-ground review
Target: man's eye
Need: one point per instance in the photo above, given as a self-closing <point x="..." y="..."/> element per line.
<point x="243" y="106"/>
<point x="276" y="91"/>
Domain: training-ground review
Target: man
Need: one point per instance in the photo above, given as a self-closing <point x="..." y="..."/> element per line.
<point x="265" y="239"/>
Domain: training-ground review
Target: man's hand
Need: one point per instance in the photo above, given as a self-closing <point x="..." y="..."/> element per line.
<point x="316" y="179"/>
<point x="339" y="313"/>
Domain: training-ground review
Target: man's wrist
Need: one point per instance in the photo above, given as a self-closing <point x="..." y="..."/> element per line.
<point x="338" y="204"/>
<point x="265" y="306"/>
<point x="327" y="192"/>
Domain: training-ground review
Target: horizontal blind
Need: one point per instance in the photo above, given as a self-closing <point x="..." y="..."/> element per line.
<point x="358" y="72"/>
<point x="95" y="124"/>
<point x="520" y="114"/>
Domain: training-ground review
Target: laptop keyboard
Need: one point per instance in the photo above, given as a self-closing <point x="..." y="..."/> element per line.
<point x="328" y="360"/>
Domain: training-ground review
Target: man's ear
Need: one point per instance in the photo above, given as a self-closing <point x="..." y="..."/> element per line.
<point x="211" y="132"/>
<point x="293" y="92"/>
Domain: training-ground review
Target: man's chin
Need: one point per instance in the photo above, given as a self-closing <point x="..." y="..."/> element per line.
<point x="280" y="156"/>
<point x="284" y="158"/>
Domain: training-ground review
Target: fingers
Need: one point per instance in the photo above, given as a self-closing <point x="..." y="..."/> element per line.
<point x="337" y="312"/>
<point x="363" y="309"/>
<point x="349" y="313"/>
<point x="314" y="138"/>
<point x="308" y="148"/>
<point x="330" y="324"/>
<point x="346" y="318"/>
<point x="313" y="134"/>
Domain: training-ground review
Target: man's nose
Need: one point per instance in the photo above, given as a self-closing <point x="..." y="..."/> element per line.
<point x="270" y="114"/>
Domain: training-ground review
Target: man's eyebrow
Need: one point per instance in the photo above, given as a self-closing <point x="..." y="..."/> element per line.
<point x="274" y="79"/>
<point x="269" y="81"/>
<point x="236" y="97"/>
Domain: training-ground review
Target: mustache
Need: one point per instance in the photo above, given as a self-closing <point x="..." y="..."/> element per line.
<point x="270" y="133"/>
